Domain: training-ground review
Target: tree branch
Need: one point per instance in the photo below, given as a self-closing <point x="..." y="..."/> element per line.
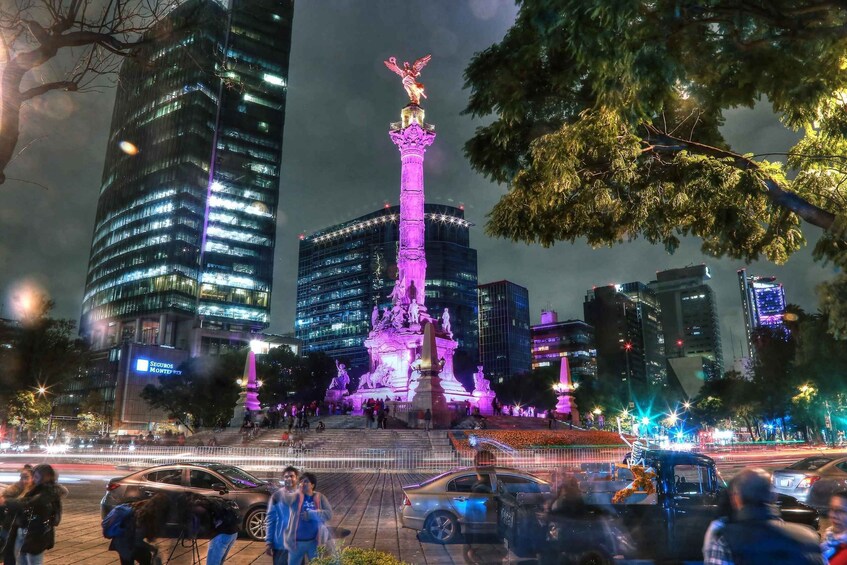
<point x="67" y="85"/>
<point x="660" y="141"/>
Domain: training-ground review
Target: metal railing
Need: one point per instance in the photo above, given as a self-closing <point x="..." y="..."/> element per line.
<point x="353" y="460"/>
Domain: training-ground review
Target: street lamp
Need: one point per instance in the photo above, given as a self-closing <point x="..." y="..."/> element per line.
<point x="627" y="347"/>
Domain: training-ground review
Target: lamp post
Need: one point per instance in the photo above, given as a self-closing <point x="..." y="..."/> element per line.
<point x="627" y="347"/>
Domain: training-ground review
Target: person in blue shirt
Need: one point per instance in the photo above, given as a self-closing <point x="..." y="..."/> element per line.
<point x="278" y="517"/>
<point x="309" y="513"/>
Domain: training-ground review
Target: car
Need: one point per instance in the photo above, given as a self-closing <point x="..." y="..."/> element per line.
<point x="249" y="493"/>
<point x="462" y="501"/>
<point x="812" y="480"/>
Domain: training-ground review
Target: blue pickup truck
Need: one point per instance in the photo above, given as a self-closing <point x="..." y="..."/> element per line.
<point x="665" y="527"/>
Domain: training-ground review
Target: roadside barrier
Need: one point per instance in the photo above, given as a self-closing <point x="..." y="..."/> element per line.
<point x="354" y="460"/>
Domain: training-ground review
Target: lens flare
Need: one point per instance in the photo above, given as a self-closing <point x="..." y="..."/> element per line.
<point x="128" y="148"/>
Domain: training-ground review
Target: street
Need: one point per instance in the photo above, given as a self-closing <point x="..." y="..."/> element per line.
<point x="365" y="507"/>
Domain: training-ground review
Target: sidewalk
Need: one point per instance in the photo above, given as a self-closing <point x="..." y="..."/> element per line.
<point x="366" y="515"/>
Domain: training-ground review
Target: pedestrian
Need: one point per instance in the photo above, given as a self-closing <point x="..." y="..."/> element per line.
<point x="12" y="521"/>
<point x="755" y="533"/>
<point x="550" y="419"/>
<point x="309" y="511"/>
<point x="140" y="526"/>
<point x="41" y="509"/>
<point x="214" y="518"/>
<point x="290" y="423"/>
<point x="278" y="517"/>
<point x="834" y="546"/>
<point x="427" y="419"/>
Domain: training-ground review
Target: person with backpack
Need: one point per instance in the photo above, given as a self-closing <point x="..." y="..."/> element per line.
<point x="224" y="529"/>
<point x="129" y="526"/>
<point x="41" y="508"/>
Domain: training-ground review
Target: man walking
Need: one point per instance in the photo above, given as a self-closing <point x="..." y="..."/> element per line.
<point x="755" y="533"/>
<point x="309" y="512"/>
<point x="279" y="515"/>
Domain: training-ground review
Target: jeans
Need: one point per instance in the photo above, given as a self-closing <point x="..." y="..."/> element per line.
<point x="303" y="550"/>
<point x="30" y="559"/>
<point x="280" y="557"/>
<point x="219" y="546"/>
<point x="19" y="541"/>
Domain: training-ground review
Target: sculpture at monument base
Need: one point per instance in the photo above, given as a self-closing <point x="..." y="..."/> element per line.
<point x="482" y="393"/>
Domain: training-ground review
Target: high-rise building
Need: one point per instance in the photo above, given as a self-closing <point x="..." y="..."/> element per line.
<point x="628" y="336"/>
<point x="574" y="339"/>
<point x="347" y="269"/>
<point x="186" y="221"/>
<point x="182" y="250"/>
<point x="690" y="324"/>
<point x="504" y="335"/>
<point x="763" y="302"/>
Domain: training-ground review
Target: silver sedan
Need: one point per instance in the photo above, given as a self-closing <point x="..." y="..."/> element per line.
<point x="812" y="480"/>
<point x="462" y="501"/>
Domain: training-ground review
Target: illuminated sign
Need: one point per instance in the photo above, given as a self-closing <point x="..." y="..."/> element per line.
<point x="156" y="367"/>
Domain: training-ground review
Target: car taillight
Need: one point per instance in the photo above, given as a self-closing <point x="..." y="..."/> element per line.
<point x="808" y="481"/>
<point x="406" y="501"/>
<point x="112" y="486"/>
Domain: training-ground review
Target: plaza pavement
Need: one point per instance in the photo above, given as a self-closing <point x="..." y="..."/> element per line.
<point x="365" y="509"/>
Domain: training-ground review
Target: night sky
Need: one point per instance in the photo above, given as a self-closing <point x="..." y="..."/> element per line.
<point x="339" y="163"/>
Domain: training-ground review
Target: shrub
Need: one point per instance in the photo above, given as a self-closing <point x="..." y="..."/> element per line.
<point x="356" y="556"/>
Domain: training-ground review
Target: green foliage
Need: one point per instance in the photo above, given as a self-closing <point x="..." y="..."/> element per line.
<point x="204" y="394"/>
<point x="287" y="377"/>
<point x="533" y="389"/>
<point x="44" y="351"/>
<point x="355" y="556"/>
<point x="607" y="115"/>
<point x="90" y="422"/>
<point x="29" y="411"/>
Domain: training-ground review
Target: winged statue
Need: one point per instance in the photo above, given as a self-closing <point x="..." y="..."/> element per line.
<point x="409" y="74"/>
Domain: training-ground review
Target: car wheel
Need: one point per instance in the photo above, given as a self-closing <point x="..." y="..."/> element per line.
<point x="442" y="527"/>
<point x="255" y="525"/>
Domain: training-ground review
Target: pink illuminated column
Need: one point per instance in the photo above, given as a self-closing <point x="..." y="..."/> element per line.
<point x="412" y="136"/>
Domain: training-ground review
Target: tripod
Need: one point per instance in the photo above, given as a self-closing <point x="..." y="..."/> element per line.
<point x="184" y="541"/>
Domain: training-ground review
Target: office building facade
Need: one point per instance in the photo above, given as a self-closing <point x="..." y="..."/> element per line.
<point x="689" y="318"/>
<point x="186" y="221"/>
<point x="553" y="339"/>
<point x="628" y="337"/>
<point x="504" y="334"/>
<point x="182" y="250"/>
<point x="346" y="270"/>
<point x="763" y="304"/>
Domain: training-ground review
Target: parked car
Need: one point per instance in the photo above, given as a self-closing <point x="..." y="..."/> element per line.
<point x="462" y="501"/>
<point x="207" y="479"/>
<point x="813" y="480"/>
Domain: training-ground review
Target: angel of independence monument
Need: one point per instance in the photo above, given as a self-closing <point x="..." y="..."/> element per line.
<point x="400" y="365"/>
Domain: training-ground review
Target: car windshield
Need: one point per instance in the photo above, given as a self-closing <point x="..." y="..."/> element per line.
<point x="237" y="476"/>
<point x="810" y="464"/>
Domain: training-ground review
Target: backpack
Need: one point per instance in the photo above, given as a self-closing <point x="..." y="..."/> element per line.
<point x="225" y="518"/>
<point x="114" y="525"/>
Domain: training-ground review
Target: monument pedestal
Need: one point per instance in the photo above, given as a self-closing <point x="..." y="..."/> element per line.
<point x="485" y="402"/>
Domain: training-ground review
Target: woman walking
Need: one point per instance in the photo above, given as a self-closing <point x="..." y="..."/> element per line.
<point x="41" y="509"/>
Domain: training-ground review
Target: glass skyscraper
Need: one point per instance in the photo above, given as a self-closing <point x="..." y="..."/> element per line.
<point x="347" y="269"/>
<point x="504" y="334"/>
<point x="574" y="339"/>
<point x="763" y="301"/>
<point x="185" y="227"/>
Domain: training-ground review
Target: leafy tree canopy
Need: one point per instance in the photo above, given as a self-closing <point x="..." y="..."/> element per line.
<point x="204" y="394"/>
<point x="607" y="116"/>
<point x="287" y="377"/>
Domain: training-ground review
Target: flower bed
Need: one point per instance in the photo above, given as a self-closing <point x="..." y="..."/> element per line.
<point x="526" y="439"/>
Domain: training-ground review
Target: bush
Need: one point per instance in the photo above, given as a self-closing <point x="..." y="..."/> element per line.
<point x="356" y="556"/>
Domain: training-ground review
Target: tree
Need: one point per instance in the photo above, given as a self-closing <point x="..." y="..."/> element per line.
<point x="38" y="36"/>
<point x="92" y="417"/>
<point x="29" y="411"/>
<point x="607" y="119"/>
<point x="203" y="394"/>
<point x="532" y="389"/>
<point x="288" y="377"/>
<point x="724" y="399"/>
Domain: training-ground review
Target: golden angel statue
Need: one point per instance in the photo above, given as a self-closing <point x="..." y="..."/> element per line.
<point x="410" y="74"/>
